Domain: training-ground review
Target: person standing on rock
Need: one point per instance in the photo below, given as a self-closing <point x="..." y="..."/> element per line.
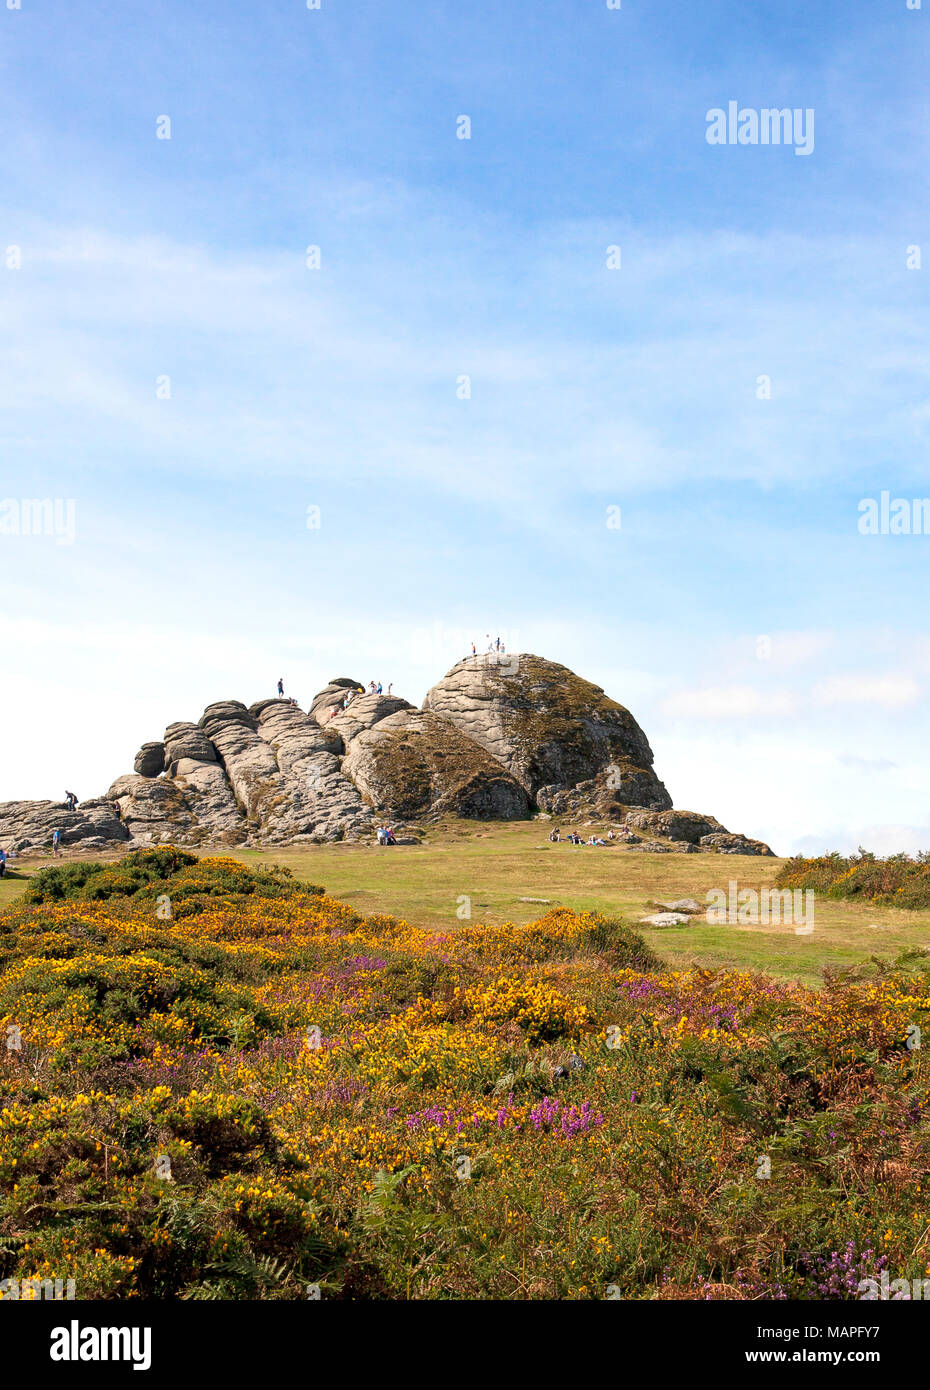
<point x="56" y="842"/>
<point x="281" y="685"/>
<point x="71" y="800"/>
<point x="474" y="652"/>
<point x="2" y="862"/>
<point x="380" y="688"/>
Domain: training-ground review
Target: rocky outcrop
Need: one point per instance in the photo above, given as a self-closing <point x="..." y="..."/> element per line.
<point x="30" y="825"/>
<point x="414" y="764"/>
<point x="195" y="806"/>
<point x="293" y="736"/>
<point x="319" y="801"/>
<point x="284" y="772"/>
<point x="498" y="736"/>
<point x="364" y="712"/>
<point x="184" y="741"/>
<point x="548" y="727"/>
<point x="249" y="761"/>
<point x="698" y="831"/>
<point x="725" y="843"/>
<point x="331" y="697"/>
<point x="605" y="797"/>
<point x="153" y="809"/>
<point x="674" y="825"/>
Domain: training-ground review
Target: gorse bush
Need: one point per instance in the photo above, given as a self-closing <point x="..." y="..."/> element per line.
<point x="274" y="1091"/>
<point x="62" y="882"/>
<point x="161" y="872"/>
<point x="897" y="881"/>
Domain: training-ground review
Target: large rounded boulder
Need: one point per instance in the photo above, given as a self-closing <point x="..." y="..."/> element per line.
<point x="330" y="698"/>
<point x="413" y="763"/>
<point x="150" y="760"/>
<point x="549" y="728"/>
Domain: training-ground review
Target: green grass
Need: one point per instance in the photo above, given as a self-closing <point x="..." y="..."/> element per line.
<point x="495" y="865"/>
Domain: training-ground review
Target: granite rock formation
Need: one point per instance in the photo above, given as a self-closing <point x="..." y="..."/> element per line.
<point x="498" y="738"/>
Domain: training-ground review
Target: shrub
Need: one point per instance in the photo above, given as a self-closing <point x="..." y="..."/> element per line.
<point x="895" y="881"/>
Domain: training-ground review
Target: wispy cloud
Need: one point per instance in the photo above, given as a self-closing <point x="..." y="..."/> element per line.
<point x="730" y="702"/>
<point x="887" y="692"/>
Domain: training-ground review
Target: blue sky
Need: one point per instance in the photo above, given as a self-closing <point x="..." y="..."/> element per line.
<point x="193" y="575"/>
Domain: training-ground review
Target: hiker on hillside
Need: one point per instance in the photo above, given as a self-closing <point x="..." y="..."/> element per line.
<point x="71" y="800"/>
<point x="2" y="862"/>
<point x="281" y="685"/>
<point x="554" y="835"/>
<point x="117" y="810"/>
<point x="380" y="688"/>
<point x="390" y="683"/>
<point x="56" y="842"/>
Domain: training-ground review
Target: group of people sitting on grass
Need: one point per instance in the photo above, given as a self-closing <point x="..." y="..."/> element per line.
<point x="575" y="839"/>
<point x="386" y="835"/>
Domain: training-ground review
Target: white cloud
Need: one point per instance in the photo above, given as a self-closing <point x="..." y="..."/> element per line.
<point x="888" y="692"/>
<point x="799" y="648"/>
<point x="726" y="702"/>
<point x="269" y="360"/>
<point x="868" y="765"/>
